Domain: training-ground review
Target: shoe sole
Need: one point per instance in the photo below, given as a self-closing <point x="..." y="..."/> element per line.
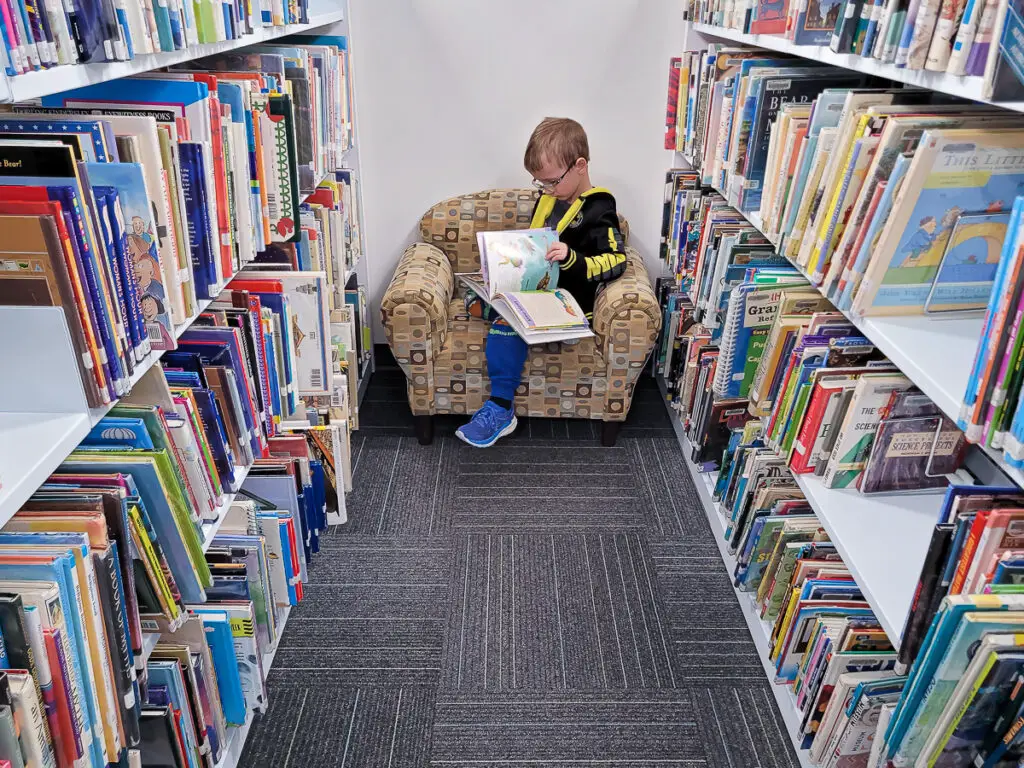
<point x="506" y="431"/>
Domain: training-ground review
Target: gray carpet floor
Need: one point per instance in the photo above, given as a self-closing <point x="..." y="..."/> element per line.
<point x="545" y="602"/>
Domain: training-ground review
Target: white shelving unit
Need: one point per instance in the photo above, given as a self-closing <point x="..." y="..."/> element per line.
<point x="44" y="414"/>
<point x="33" y="85"/>
<point x="964" y="87"/>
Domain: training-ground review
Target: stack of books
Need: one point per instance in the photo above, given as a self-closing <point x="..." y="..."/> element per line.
<point x="48" y="34"/>
<point x="974" y="38"/>
<point x="120" y="208"/>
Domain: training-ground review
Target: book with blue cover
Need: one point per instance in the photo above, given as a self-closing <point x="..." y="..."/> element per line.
<point x="217" y="626"/>
<point x="752" y="310"/>
<point x="790" y="86"/>
<point x="139" y="243"/>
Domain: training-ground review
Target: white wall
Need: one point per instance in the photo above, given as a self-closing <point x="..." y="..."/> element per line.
<point x="448" y="91"/>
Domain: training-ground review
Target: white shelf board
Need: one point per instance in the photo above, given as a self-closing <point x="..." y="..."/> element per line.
<point x="32" y="446"/>
<point x="964" y="87"/>
<point x="882" y="539"/>
<point x="759" y="631"/>
<point x="33" y="85"/>
<point x="149" y="641"/>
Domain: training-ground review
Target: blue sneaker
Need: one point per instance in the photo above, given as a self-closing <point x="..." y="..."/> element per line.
<point x="488" y="425"/>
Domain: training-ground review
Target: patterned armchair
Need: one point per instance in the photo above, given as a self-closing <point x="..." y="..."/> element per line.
<point x="441" y="348"/>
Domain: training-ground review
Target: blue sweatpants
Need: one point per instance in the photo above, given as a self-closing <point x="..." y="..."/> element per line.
<point x="506" y="354"/>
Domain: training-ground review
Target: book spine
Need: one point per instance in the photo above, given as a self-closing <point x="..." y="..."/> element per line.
<point x="950" y="15"/>
<point x="74" y="755"/>
<point x="100" y="311"/>
<point x="995" y="48"/>
<point x="967" y="553"/>
<point x="80" y="714"/>
<point x="927" y="16"/>
<point x="802" y="447"/>
<point x="34" y="735"/>
<point x="978" y="55"/>
<point x="44" y="682"/>
<point x="118" y="645"/>
<point x="964" y="40"/>
<point x="918" y="618"/>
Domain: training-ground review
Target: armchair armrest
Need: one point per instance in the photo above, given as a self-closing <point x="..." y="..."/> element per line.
<point x="627" y="319"/>
<point x="414" y="312"/>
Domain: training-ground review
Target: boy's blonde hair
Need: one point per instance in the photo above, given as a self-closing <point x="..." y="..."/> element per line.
<point x="559" y="139"/>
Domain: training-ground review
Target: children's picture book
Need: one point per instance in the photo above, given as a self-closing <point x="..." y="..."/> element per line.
<point x="518" y="281"/>
<point x="953" y="172"/>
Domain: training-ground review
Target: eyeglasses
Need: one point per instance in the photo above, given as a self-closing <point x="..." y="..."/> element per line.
<point x="542" y="185"/>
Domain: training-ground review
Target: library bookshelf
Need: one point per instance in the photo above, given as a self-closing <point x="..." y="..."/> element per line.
<point x="44" y="414"/>
<point x="882" y="538"/>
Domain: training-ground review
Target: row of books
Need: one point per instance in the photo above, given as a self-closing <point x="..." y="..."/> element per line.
<point x="52" y="33"/>
<point x="123" y="211"/>
<point x="976" y="37"/>
<point x="953" y="692"/>
<point x="824" y="641"/>
<point x="186" y="512"/>
<point x="892" y="200"/>
<point x="750" y="338"/>
<point x="991" y="413"/>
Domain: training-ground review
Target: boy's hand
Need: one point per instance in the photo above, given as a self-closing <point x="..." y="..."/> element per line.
<point x="558" y="252"/>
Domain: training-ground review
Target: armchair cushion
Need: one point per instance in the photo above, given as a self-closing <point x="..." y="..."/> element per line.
<point x="452" y="225"/>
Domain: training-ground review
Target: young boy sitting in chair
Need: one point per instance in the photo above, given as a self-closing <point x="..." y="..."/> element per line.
<point x="591" y="251"/>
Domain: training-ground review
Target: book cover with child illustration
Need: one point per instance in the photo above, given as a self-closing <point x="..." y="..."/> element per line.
<point x="953" y="173"/>
<point x="519" y="282"/>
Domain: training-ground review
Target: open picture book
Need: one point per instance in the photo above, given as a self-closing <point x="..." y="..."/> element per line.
<point x="522" y="286"/>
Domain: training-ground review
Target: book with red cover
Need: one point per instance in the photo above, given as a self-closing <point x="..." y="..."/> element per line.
<point x="769" y="17"/>
<point x="672" y="107"/>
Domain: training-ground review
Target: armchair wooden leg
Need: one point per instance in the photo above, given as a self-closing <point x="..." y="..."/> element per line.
<point x="424" y="429"/>
<point x="610" y="432"/>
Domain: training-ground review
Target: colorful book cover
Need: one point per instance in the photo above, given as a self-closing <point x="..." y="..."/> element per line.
<point x="769" y="17"/>
<point x="139" y="243"/>
<point x="815" y="24"/>
<point x="953" y="172"/>
<point x="857" y="433"/>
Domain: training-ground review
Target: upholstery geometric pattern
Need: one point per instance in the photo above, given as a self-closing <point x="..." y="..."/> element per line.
<point x="452" y="224"/>
<point x="441" y="348"/>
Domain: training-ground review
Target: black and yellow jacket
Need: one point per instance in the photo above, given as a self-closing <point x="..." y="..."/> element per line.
<point x="596" y="247"/>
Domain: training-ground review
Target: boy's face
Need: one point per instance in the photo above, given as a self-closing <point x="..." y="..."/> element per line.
<point x="555" y="179"/>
